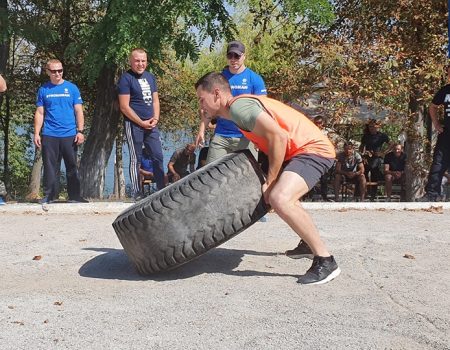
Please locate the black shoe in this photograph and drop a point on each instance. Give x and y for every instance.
(78, 200)
(301, 251)
(322, 270)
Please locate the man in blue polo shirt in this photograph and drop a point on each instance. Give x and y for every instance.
(139, 103)
(227, 136)
(58, 130)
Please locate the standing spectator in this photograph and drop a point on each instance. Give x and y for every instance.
(350, 168)
(441, 155)
(180, 161)
(227, 137)
(139, 103)
(58, 129)
(286, 136)
(3, 86)
(372, 144)
(394, 168)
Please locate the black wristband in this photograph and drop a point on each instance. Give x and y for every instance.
(80, 131)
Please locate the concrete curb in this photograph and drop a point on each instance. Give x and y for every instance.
(117, 207)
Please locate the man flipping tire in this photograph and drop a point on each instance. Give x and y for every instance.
(299, 154)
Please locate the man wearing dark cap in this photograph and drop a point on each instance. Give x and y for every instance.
(227, 136)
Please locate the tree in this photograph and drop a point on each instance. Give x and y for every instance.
(391, 53)
(131, 24)
(36, 32)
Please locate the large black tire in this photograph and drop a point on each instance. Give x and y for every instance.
(193, 215)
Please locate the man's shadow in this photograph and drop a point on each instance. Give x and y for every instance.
(114, 264)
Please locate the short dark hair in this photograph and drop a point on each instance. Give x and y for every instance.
(211, 80)
(348, 144)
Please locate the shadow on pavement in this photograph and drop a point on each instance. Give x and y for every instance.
(114, 264)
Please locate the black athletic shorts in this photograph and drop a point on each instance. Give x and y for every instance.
(310, 167)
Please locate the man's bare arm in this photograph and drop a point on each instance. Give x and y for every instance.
(127, 111)
(3, 86)
(38, 122)
(277, 139)
(79, 137)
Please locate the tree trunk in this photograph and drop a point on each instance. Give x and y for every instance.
(35, 182)
(119, 179)
(415, 147)
(101, 136)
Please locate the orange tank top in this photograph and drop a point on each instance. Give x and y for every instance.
(304, 136)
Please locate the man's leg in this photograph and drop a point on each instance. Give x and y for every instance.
(284, 199)
(338, 178)
(152, 143)
(218, 147)
(438, 167)
(50, 156)
(388, 185)
(134, 135)
(69, 154)
(362, 185)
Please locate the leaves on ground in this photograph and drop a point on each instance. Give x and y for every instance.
(435, 210)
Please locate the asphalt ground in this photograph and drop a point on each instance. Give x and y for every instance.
(66, 283)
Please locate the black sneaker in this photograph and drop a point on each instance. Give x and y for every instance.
(78, 200)
(322, 270)
(301, 251)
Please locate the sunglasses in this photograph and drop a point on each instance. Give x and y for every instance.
(54, 71)
(232, 55)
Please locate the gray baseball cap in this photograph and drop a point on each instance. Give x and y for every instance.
(236, 47)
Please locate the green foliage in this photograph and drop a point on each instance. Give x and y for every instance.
(154, 26)
(20, 161)
(317, 12)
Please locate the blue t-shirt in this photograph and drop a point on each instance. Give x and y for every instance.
(140, 87)
(246, 82)
(146, 164)
(59, 112)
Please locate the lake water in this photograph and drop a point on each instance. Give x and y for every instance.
(170, 143)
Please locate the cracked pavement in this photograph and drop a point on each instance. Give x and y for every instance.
(83, 293)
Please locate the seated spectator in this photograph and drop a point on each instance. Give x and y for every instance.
(394, 168)
(320, 123)
(350, 169)
(179, 162)
(146, 169)
(372, 144)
